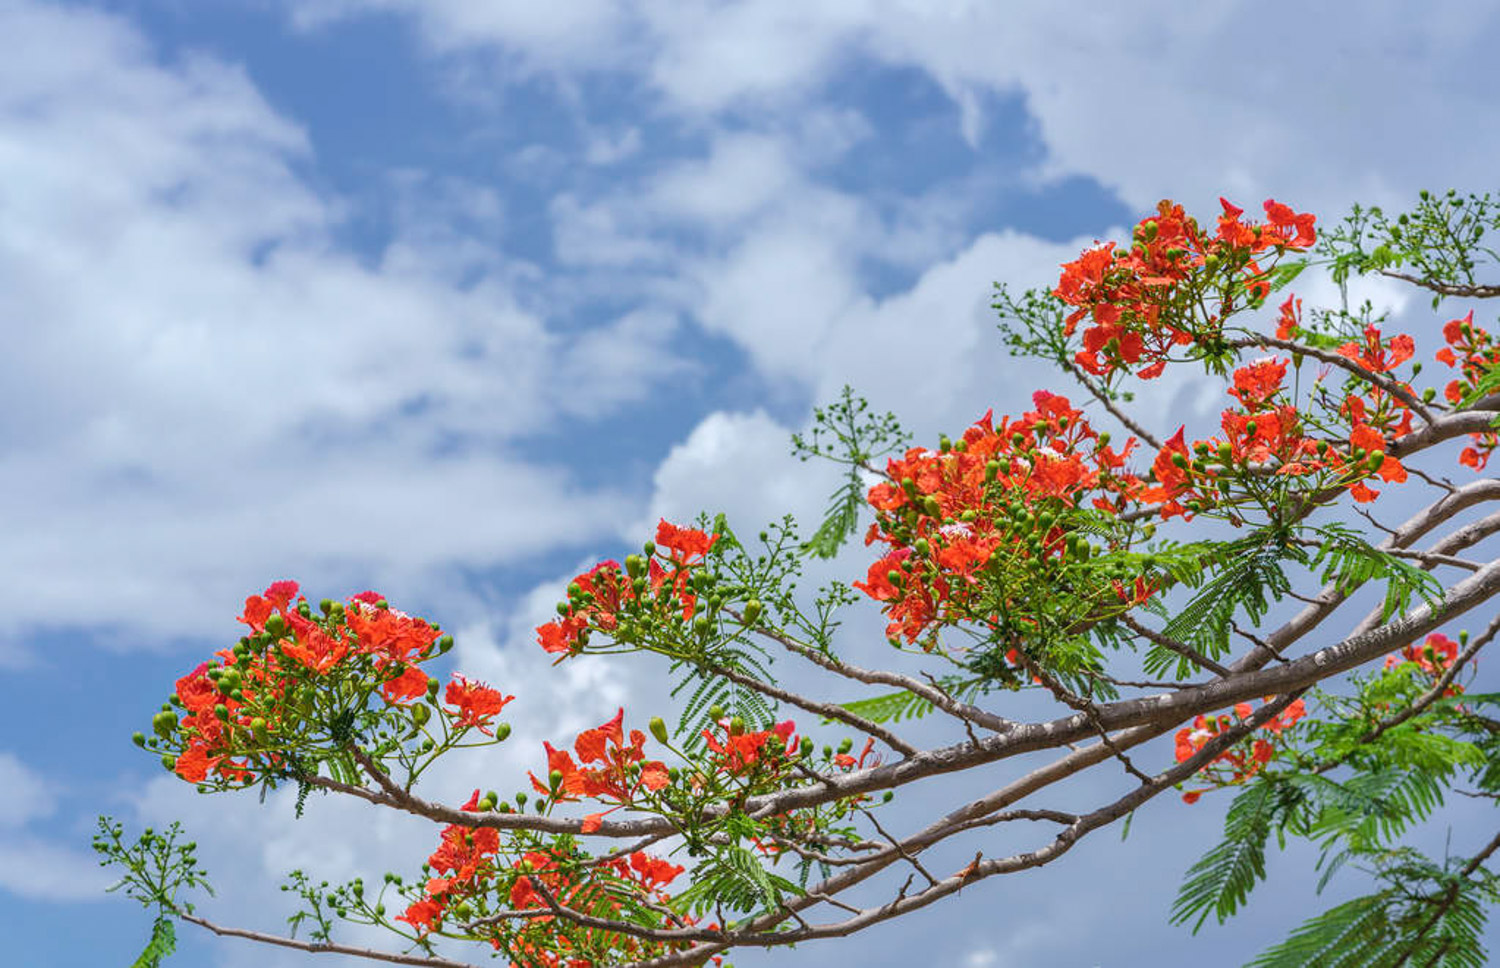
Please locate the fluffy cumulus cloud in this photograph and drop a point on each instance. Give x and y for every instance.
(198, 375)
(34, 862)
(1247, 98)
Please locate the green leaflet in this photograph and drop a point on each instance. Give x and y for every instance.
(1346, 936)
(1388, 930)
(896, 706)
(1351, 561)
(845, 432)
(163, 942)
(1222, 879)
(735, 880)
(1250, 576)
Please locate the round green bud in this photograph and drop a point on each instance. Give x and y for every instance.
(502, 732)
(221, 711)
(716, 713)
(736, 726)
(420, 714)
(169, 761)
(846, 745)
(554, 780)
(752, 611)
(649, 548)
(276, 625)
(138, 739)
(658, 727)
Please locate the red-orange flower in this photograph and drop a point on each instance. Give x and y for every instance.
(476, 704)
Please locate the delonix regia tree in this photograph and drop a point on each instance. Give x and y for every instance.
(1302, 647)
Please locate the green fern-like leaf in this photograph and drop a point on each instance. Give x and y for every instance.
(840, 520)
(1347, 936)
(1348, 559)
(1222, 879)
(163, 942)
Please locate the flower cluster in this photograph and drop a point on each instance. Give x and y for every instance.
(610, 769)
(1431, 659)
(243, 709)
(1141, 301)
(471, 870)
(976, 505)
(1266, 434)
(1475, 354)
(601, 596)
(1238, 763)
(737, 751)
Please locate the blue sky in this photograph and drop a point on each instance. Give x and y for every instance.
(452, 297)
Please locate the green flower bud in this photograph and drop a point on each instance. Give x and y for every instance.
(649, 548)
(736, 726)
(658, 729)
(752, 611)
(554, 780)
(222, 712)
(420, 714)
(138, 739)
(502, 732)
(164, 723)
(716, 713)
(276, 625)
(635, 566)
(169, 761)
(921, 547)
(846, 745)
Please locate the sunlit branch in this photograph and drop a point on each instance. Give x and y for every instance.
(827, 710)
(323, 947)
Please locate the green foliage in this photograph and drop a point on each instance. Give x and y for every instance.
(163, 942)
(1222, 879)
(1248, 574)
(1401, 926)
(734, 880)
(1350, 561)
(845, 432)
(895, 706)
(156, 870)
(1443, 241)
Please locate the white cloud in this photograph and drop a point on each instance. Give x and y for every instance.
(24, 794)
(1153, 100)
(201, 378)
(38, 870)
